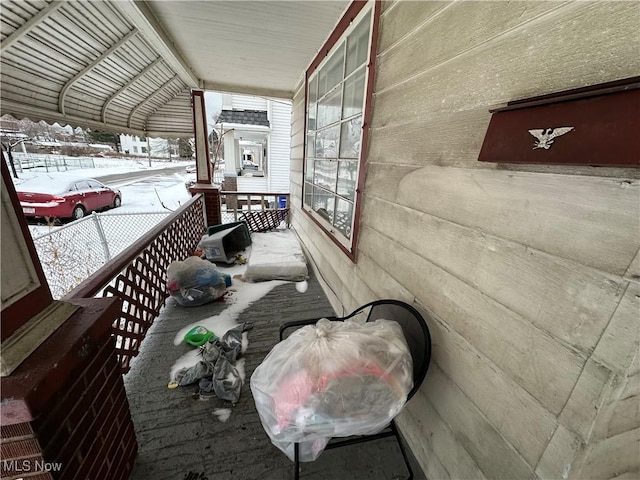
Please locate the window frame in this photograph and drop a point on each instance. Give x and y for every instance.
(347, 24)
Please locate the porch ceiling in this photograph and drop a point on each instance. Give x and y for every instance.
(128, 66)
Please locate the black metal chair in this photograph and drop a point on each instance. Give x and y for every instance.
(418, 339)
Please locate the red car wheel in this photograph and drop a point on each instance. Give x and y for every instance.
(78, 212)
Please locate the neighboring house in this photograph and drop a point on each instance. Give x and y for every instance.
(256, 137)
(133, 145)
(138, 146)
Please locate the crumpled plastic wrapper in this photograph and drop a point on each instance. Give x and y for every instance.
(334, 379)
(216, 371)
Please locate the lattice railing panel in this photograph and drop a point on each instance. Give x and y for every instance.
(140, 280)
(262, 211)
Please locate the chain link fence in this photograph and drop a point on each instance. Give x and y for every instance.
(75, 251)
(50, 163)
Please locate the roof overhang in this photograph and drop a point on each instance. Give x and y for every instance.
(254, 133)
(129, 66)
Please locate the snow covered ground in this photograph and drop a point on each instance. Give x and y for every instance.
(154, 194)
(103, 166)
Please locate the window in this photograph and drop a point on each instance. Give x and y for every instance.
(336, 107)
(143, 149)
(135, 149)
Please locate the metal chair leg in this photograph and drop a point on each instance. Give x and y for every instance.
(296, 458)
(402, 450)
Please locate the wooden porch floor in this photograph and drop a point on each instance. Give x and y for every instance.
(180, 438)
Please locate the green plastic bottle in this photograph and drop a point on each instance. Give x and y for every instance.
(198, 336)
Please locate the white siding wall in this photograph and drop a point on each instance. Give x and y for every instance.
(279, 150)
(128, 142)
(252, 184)
(246, 102)
(529, 276)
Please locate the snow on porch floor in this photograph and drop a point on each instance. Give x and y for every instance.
(181, 438)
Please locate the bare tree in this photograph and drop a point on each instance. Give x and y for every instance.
(7, 148)
(31, 129)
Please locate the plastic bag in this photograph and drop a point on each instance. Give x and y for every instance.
(195, 282)
(334, 379)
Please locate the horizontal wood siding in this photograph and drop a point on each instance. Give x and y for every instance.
(518, 63)
(564, 217)
(528, 279)
(252, 184)
(614, 457)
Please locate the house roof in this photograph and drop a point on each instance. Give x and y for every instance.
(244, 117)
(128, 66)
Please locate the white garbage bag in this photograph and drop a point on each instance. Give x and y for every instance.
(334, 379)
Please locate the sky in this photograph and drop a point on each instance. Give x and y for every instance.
(213, 104)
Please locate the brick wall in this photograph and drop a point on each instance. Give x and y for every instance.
(82, 428)
(212, 206)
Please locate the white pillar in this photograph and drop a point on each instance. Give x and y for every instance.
(229, 154)
(238, 154)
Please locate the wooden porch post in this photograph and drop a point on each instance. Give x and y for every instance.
(203, 165)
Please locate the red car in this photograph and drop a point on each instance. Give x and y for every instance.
(69, 198)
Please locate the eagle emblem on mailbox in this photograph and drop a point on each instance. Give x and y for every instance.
(545, 136)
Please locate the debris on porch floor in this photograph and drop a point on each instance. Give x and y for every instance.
(181, 435)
